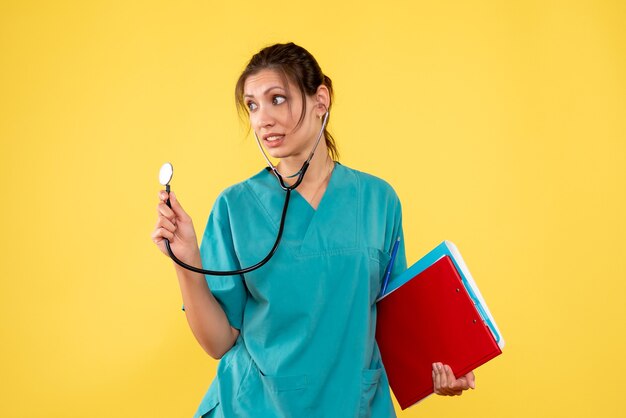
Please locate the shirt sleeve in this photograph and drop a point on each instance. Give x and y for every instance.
(218, 253)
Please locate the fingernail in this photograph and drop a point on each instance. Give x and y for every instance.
(173, 195)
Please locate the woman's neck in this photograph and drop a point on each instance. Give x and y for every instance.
(318, 169)
(317, 176)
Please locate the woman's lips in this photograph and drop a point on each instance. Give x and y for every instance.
(273, 141)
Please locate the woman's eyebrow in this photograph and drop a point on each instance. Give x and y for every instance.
(266, 91)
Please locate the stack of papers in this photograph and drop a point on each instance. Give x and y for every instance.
(433, 312)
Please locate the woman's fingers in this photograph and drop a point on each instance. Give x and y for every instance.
(174, 225)
(440, 379)
(445, 383)
(436, 379)
(177, 208)
(160, 233)
(166, 222)
(164, 210)
(454, 383)
(444, 379)
(450, 380)
(163, 222)
(173, 212)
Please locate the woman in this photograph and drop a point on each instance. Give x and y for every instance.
(295, 337)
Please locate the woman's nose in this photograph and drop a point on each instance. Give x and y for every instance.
(263, 118)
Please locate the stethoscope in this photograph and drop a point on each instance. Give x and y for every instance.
(167, 171)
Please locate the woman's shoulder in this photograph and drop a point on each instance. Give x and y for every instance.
(260, 179)
(372, 185)
(243, 193)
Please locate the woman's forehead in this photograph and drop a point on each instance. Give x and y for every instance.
(259, 83)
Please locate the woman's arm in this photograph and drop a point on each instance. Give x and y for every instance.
(205, 315)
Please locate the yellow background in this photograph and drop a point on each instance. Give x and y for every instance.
(501, 126)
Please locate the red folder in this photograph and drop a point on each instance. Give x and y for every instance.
(429, 319)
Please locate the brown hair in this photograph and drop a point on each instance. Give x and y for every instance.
(293, 63)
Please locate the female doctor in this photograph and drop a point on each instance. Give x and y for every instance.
(296, 336)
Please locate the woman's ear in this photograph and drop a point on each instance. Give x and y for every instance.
(322, 97)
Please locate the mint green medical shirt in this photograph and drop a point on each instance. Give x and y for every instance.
(308, 317)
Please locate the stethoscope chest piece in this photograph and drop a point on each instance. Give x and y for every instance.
(165, 174)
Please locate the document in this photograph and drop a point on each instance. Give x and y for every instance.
(433, 313)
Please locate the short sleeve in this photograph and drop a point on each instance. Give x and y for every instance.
(218, 253)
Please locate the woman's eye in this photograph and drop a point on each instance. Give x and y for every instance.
(279, 99)
(251, 106)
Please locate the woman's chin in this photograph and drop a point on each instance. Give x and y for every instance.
(283, 151)
(277, 153)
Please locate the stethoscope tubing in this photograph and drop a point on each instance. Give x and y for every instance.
(239, 271)
(283, 217)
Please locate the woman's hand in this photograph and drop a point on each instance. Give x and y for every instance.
(176, 226)
(446, 384)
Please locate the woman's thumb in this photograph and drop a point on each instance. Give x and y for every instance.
(471, 380)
